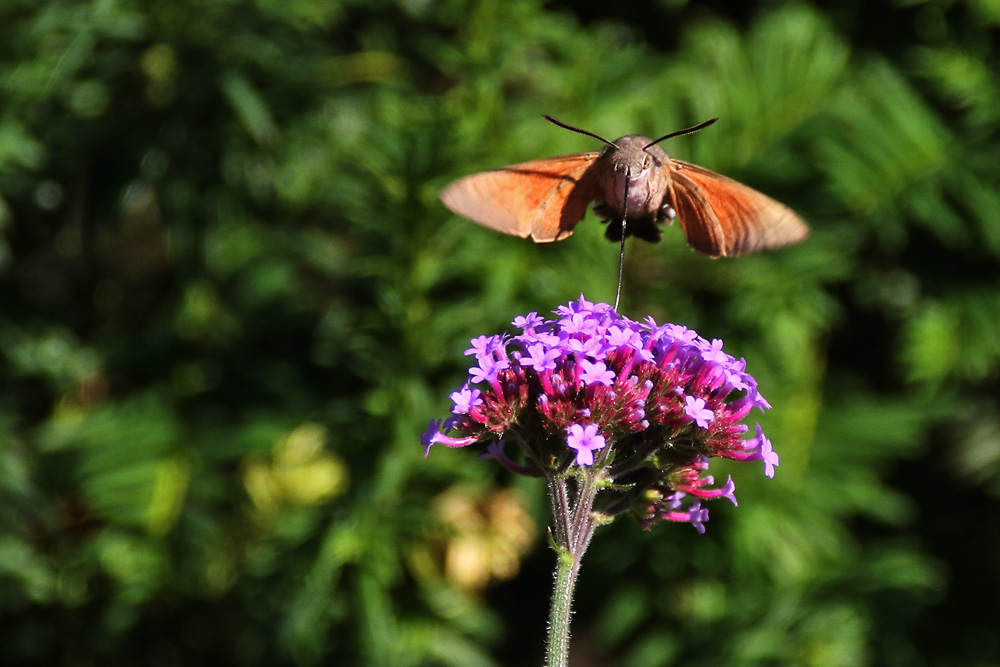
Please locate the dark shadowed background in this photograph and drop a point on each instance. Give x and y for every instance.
(230, 302)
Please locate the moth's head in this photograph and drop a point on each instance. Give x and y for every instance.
(634, 154)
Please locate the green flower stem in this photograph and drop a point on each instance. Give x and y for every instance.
(574, 526)
(557, 651)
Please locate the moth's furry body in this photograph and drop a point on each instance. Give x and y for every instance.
(649, 186)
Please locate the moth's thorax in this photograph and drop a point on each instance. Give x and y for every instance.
(645, 171)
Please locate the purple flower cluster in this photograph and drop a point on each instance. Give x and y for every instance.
(646, 404)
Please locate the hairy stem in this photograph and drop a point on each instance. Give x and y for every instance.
(573, 528)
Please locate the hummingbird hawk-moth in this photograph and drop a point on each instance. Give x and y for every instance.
(633, 180)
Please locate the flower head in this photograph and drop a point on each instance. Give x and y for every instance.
(657, 401)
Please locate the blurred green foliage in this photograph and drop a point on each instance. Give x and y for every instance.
(231, 302)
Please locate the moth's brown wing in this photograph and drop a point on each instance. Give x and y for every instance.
(721, 217)
(543, 199)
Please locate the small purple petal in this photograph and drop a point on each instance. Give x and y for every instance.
(769, 456)
(529, 321)
(487, 370)
(579, 306)
(714, 353)
(584, 439)
(680, 333)
(728, 490)
(696, 410)
(596, 373)
(483, 345)
(542, 337)
(540, 359)
(698, 516)
(619, 337)
(578, 323)
(465, 399)
(494, 450)
(427, 439)
(590, 346)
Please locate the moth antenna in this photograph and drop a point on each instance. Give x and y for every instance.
(578, 130)
(678, 133)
